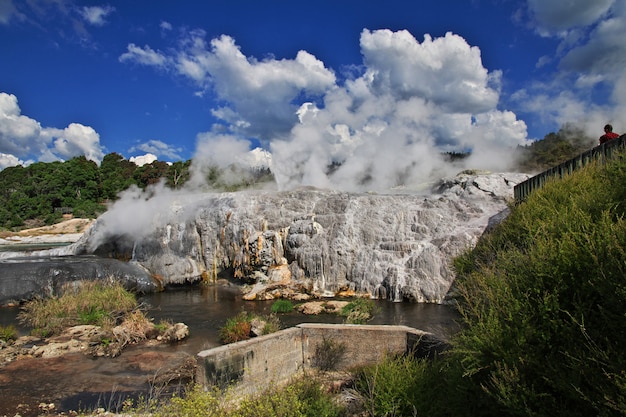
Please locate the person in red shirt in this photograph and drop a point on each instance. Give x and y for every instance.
(608, 134)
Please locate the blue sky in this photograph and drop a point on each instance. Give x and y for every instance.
(309, 82)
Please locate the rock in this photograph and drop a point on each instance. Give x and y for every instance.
(257, 326)
(176, 332)
(279, 273)
(313, 307)
(54, 349)
(318, 307)
(397, 246)
(27, 277)
(334, 306)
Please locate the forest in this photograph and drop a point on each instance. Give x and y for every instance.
(43, 192)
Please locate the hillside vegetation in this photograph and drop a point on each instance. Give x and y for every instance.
(42, 192)
(553, 149)
(543, 302)
(39, 194)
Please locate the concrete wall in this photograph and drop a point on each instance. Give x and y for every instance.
(254, 364)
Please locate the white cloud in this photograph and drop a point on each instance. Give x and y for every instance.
(445, 70)
(591, 57)
(259, 93)
(389, 126)
(24, 138)
(96, 15)
(19, 135)
(557, 15)
(143, 56)
(159, 148)
(7, 160)
(386, 126)
(76, 139)
(142, 160)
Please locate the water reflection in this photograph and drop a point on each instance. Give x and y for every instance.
(206, 309)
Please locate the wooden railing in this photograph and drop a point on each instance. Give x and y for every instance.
(600, 153)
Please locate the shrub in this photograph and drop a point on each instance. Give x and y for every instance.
(282, 306)
(327, 354)
(8, 333)
(195, 403)
(302, 398)
(236, 328)
(543, 300)
(241, 326)
(99, 303)
(359, 311)
(390, 388)
(272, 324)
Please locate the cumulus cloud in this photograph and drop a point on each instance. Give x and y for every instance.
(96, 15)
(7, 160)
(389, 126)
(386, 125)
(159, 148)
(22, 137)
(142, 160)
(591, 57)
(19, 135)
(446, 70)
(258, 94)
(76, 139)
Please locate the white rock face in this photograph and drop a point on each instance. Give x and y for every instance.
(394, 246)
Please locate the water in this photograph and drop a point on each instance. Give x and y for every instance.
(29, 247)
(206, 309)
(76, 381)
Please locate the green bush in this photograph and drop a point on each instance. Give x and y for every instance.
(543, 299)
(282, 306)
(195, 403)
(90, 302)
(359, 311)
(240, 327)
(8, 333)
(236, 328)
(302, 398)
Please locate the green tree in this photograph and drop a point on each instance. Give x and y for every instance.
(150, 173)
(178, 174)
(116, 175)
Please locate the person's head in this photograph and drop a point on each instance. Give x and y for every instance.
(608, 128)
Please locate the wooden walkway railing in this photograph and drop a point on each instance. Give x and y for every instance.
(600, 153)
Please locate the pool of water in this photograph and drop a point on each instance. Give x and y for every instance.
(76, 381)
(206, 309)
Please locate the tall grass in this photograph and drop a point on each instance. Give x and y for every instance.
(92, 302)
(544, 301)
(240, 327)
(359, 311)
(304, 397)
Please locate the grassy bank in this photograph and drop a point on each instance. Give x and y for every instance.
(544, 301)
